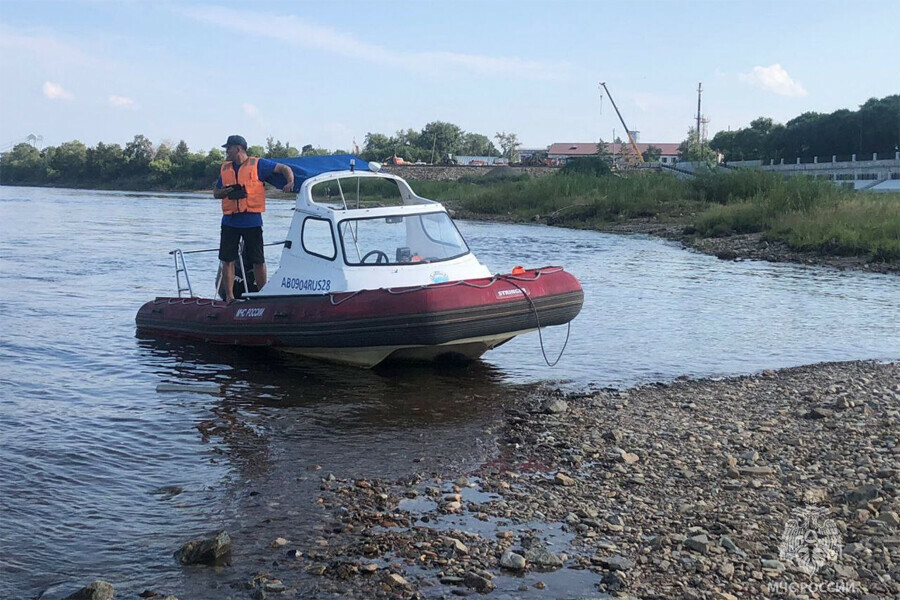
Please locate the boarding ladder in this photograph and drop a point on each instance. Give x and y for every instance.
(181, 268)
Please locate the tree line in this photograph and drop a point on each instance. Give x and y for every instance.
(139, 165)
(142, 165)
(874, 128)
(437, 142)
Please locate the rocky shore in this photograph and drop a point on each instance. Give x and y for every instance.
(782, 484)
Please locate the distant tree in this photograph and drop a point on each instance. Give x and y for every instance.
(161, 171)
(69, 161)
(308, 150)
(256, 150)
(138, 154)
(444, 138)
(376, 146)
(692, 150)
(275, 149)
(212, 164)
(723, 142)
(509, 144)
(22, 164)
(163, 150)
(181, 154)
(652, 154)
(603, 152)
(105, 162)
(476, 144)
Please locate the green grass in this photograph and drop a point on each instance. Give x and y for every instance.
(804, 213)
(866, 225)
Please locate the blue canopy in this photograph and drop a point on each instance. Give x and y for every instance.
(305, 167)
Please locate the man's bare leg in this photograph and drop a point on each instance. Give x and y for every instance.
(260, 274)
(228, 280)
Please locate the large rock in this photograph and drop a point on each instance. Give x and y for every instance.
(478, 582)
(512, 561)
(861, 495)
(617, 563)
(563, 479)
(698, 543)
(542, 557)
(98, 590)
(557, 407)
(205, 551)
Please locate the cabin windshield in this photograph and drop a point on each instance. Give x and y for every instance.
(401, 239)
(356, 192)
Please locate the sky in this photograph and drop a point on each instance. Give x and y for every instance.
(328, 73)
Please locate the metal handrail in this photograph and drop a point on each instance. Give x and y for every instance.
(178, 253)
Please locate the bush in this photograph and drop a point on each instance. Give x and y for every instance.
(588, 165)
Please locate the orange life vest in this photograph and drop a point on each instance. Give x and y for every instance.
(247, 176)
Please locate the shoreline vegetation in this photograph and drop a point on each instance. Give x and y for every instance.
(744, 214)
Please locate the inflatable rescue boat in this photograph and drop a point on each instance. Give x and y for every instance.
(390, 278)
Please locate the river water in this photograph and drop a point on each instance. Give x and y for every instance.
(104, 476)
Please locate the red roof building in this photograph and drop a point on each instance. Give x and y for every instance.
(563, 151)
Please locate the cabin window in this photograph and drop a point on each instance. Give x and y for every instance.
(318, 239)
(401, 239)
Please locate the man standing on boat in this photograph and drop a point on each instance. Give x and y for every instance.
(242, 190)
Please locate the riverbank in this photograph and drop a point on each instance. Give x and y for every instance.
(684, 489)
(691, 489)
(742, 214)
(746, 246)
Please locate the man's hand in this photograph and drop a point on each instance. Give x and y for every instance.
(289, 187)
(222, 192)
(237, 192)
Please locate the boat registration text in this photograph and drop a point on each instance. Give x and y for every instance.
(306, 285)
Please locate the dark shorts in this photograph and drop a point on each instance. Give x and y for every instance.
(253, 242)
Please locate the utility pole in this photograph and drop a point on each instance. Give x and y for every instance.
(699, 91)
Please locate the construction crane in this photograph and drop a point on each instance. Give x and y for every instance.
(628, 131)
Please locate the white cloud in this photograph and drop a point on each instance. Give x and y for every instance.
(121, 102)
(299, 32)
(773, 79)
(54, 91)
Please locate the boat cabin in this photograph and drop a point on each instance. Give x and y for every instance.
(356, 228)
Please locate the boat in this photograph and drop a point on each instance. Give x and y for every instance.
(389, 278)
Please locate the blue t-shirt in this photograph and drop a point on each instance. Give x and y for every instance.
(264, 169)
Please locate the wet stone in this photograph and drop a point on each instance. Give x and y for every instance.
(97, 590)
(478, 582)
(512, 561)
(206, 551)
(544, 558)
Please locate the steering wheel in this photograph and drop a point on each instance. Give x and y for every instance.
(380, 257)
